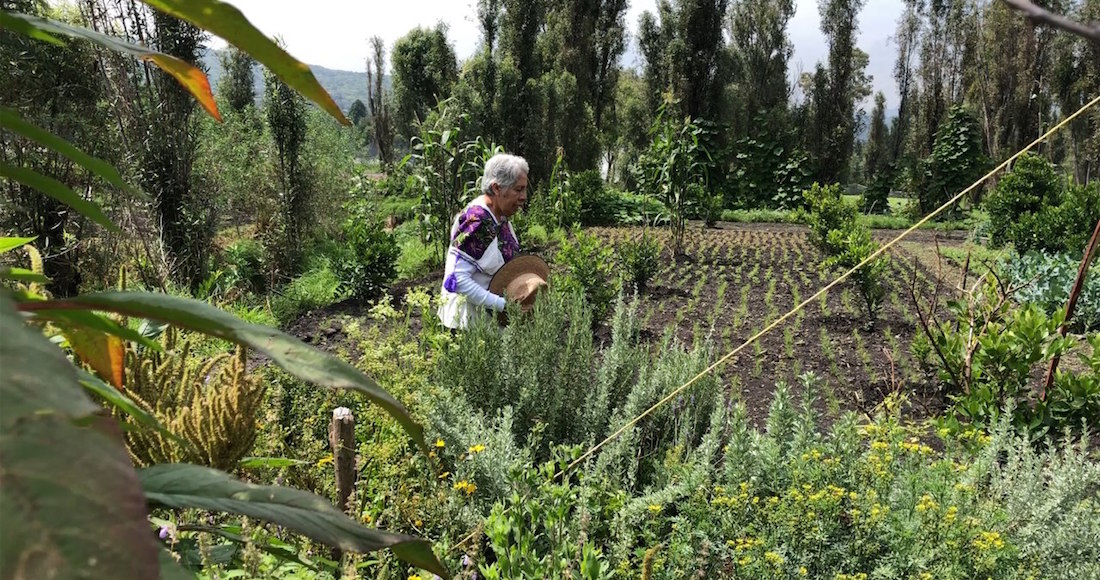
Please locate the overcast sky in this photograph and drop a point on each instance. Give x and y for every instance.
(333, 33)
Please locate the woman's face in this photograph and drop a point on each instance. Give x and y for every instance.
(509, 200)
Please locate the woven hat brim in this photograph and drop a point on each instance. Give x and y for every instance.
(525, 264)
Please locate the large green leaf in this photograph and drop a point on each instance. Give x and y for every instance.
(23, 275)
(228, 22)
(191, 486)
(9, 22)
(296, 357)
(10, 120)
(8, 244)
(71, 503)
(192, 79)
(58, 191)
(93, 321)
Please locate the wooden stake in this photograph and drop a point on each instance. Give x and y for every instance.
(341, 437)
(1090, 253)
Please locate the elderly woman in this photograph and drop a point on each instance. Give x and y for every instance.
(482, 240)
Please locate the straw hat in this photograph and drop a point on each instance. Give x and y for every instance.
(524, 276)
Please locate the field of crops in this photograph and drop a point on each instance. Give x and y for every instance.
(734, 282)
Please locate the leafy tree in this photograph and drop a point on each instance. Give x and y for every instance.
(49, 86)
(186, 219)
(760, 50)
(1076, 79)
(286, 120)
(424, 72)
(956, 162)
(237, 84)
(684, 52)
(877, 162)
(378, 103)
(1014, 62)
(836, 91)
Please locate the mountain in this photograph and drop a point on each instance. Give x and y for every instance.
(344, 86)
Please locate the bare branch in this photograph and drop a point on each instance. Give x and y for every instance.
(1043, 16)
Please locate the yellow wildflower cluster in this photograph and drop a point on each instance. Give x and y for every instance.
(744, 544)
(467, 486)
(440, 444)
(950, 515)
(773, 558)
(915, 447)
(654, 508)
(927, 503)
(475, 449)
(856, 576)
(742, 497)
(802, 571)
(989, 541)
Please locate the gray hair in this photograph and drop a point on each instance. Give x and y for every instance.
(504, 170)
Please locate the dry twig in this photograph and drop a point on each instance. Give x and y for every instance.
(1041, 15)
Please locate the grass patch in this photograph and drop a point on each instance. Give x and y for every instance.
(318, 287)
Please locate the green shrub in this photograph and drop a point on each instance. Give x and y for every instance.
(956, 162)
(876, 198)
(318, 287)
(836, 230)
(827, 211)
(597, 201)
(1016, 202)
(640, 258)
(990, 354)
(244, 266)
(536, 236)
(366, 263)
(589, 266)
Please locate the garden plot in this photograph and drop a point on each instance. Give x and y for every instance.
(733, 282)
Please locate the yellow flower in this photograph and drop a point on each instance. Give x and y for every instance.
(467, 486)
(802, 571)
(773, 558)
(444, 475)
(440, 443)
(475, 449)
(926, 503)
(879, 446)
(418, 523)
(324, 461)
(950, 514)
(653, 508)
(414, 577)
(989, 541)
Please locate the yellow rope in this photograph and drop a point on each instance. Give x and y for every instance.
(842, 277)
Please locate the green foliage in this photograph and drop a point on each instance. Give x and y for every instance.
(237, 85)
(1046, 280)
(640, 260)
(1019, 197)
(186, 219)
(243, 261)
(424, 70)
(988, 353)
(846, 242)
(827, 211)
(596, 201)
(539, 366)
(318, 286)
(675, 169)
(286, 120)
(590, 269)
(956, 162)
(767, 175)
(447, 169)
(532, 533)
(876, 198)
(368, 255)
